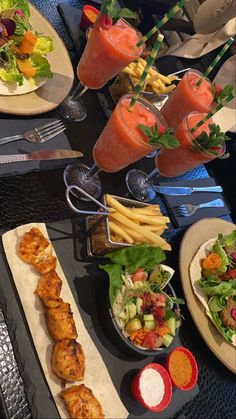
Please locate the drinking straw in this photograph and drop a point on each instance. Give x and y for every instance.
(172, 12)
(150, 61)
(215, 61)
(210, 114)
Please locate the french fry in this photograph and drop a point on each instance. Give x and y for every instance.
(170, 88)
(140, 217)
(162, 86)
(149, 235)
(116, 229)
(136, 236)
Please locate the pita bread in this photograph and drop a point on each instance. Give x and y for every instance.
(195, 273)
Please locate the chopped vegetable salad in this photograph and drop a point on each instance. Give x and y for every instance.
(22, 50)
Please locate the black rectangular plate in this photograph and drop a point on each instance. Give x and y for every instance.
(87, 283)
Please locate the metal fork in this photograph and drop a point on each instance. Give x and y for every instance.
(186, 210)
(38, 135)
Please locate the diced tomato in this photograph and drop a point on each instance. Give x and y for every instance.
(231, 274)
(150, 340)
(139, 275)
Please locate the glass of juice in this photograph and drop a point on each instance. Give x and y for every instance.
(188, 97)
(120, 144)
(106, 53)
(174, 162)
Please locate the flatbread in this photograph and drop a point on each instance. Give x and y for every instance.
(195, 273)
(97, 377)
(12, 89)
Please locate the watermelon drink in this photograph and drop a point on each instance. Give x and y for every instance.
(122, 142)
(172, 162)
(188, 97)
(175, 162)
(107, 52)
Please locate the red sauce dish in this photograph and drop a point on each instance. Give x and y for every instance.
(89, 16)
(182, 368)
(152, 387)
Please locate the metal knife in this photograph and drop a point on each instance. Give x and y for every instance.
(176, 190)
(40, 155)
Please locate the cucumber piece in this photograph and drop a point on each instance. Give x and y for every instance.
(215, 304)
(148, 317)
(139, 304)
(133, 325)
(132, 311)
(171, 324)
(177, 324)
(124, 315)
(167, 339)
(149, 324)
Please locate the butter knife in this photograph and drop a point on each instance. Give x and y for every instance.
(40, 155)
(176, 190)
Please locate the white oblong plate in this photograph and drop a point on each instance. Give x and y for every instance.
(12, 89)
(195, 236)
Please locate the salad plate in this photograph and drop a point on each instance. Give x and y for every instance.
(44, 93)
(142, 304)
(200, 236)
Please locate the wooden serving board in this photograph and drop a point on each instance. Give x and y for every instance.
(52, 93)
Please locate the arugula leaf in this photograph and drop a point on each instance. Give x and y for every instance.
(166, 140)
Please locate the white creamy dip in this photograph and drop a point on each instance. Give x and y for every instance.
(152, 387)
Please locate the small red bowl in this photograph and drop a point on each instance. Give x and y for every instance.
(194, 377)
(86, 21)
(136, 391)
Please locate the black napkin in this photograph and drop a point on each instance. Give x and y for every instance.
(71, 17)
(16, 126)
(195, 199)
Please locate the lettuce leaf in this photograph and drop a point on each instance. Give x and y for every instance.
(43, 45)
(22, 5)
(16, 4)
(213, 287)
(228, 241)
(42, 66)
(116, 282)
(226, 331)
(141, 256)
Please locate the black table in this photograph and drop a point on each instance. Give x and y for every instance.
(41, 197)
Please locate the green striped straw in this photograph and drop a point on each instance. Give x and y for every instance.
(210, 114)
(215, 61)
(161, 22)
(150, 61)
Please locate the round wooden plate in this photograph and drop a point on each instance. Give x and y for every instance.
(52, 93)
(197, 234)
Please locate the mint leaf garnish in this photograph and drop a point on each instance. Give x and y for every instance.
(109, 7)
(226, 92)
(208, 142)
(165, 139)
